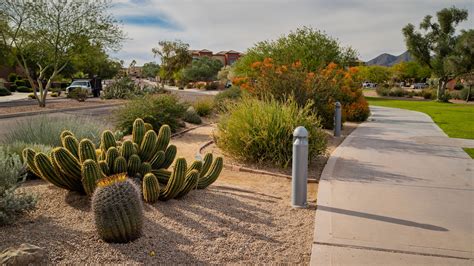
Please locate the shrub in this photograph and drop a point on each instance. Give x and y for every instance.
(4, 92)
(458, 86)
(203, 107)
(23, 89)
(122, 88)
(54, 94)
(211, 86)
(324, 87)
(17, 147)
(154, 109)
(262, 130)
(32, 96)
(12, 87)
(21, 83)
(382, 91)
(12, 202)
(200, 85)
(192, 117)
(465, 92)
(428, 94)
(12, 77)
(78, 94)
(222, 98)
(397, 92)
(357, 111)
(46, 130)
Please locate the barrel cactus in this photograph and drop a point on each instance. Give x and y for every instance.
(118, 210)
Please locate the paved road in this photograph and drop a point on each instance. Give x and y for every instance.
(102, 114)
(388, 198)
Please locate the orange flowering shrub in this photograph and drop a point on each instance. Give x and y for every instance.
(323, 87)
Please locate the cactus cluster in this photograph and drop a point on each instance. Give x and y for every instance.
(78, 165)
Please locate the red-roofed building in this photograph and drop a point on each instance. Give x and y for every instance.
(226, 57)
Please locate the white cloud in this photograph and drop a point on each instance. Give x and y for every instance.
(371, 27)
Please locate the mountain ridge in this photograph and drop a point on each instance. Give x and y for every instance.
(387, 59)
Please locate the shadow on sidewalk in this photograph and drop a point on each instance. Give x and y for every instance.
(382, 218)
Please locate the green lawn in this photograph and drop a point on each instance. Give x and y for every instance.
(456, 120)
(469, 151)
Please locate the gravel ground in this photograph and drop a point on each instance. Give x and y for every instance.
(242, 218)
(67, 103)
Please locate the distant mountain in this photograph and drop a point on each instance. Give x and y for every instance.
(389, 60)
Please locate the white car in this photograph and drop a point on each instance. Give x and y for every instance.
(369, 85)
(80, 84)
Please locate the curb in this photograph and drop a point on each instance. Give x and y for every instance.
(237, 168)
(58, 110)
(187, 130)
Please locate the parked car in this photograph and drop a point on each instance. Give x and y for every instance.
(369, 85)
(419, 85)
(228, 84)
(83, 84)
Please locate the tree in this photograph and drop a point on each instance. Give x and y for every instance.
(202, 69)
(151, 69)
(174, 56)
(43, 36)
(225, 74)
(436, 43)
(460, 63)
(313, 48)
(377, 74)
(410, 71)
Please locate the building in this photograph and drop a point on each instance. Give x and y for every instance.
(226, 57)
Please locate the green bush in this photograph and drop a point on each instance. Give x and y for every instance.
(12, 87)
(122, 88)
(12, 202)
(465, 92)
(382, 91)
(23, 89)
(203, 107)
(397, 92)
(17, 147)
(32, 96)
(222, 98)
(12, 77)
(428, 94)
(262, 131)
(46, 129)
(192, 117)
(4, 92)
(78, 94)
(211, 86)
(21, 83)
(154, 109)
(54, 94)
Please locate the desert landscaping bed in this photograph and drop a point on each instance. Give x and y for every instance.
(242, 218)
(57, 105)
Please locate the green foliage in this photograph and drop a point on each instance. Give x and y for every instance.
(23, 89)
(467, 94)
(454, 119)
(78, 94)
(410, 71)
(4, 92)
(150, 70)
(203, 107)
(312, 47)
(12, 77)
(12, 203)
(377, 74)
(234, 93)
(45, 130)
(262, 131)
(192, 117)
(174, 56)
(225, 74)
(469, 151)
(202, 69)
(17, 147)
(118, 210)
(157, 110)
(121, 88)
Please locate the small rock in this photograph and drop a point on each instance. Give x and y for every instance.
(25, 254)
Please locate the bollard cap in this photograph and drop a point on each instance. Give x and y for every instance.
(338, 104)
(300, 132)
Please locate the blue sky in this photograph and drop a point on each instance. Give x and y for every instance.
(371, 27)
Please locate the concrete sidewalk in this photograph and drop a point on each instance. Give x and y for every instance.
(387, 197)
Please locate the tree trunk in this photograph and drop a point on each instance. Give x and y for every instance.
(441, 90)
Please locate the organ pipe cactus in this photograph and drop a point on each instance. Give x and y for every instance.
(71, 144)
(190, 183)
(148, 146)
(107, 140)
(138, 131)
(209, 177)
(91, 173)
(118, 210)
(176, 181)
(151, 188)
(87, 150)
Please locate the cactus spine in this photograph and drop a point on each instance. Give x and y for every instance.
(107, 140)
(91, 173)
(138, 131)
(120, 165)
(176, 181)
(148, 146)
(170, 154)
(71, 144)
(190, 183)
(164, 136)
(118, 210)
(127, 149)
(212, 175)
(151, 188)
(87, 150)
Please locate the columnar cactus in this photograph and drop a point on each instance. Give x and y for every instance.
(91, 173)
(71, 144)
(47, 171)
(87, 150)
(68, 165)
(120, 165)
(138, 131)
(211, 176)
(151, 188)
(148, 126)
(107, 140)
(145, 168)
(164, 136)
(157, 160)
(170, 154)
(176, 181)
(104, 167)
(118, 210)
(111, 156)
(148, 146)
(190, 183)
(127, 149)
